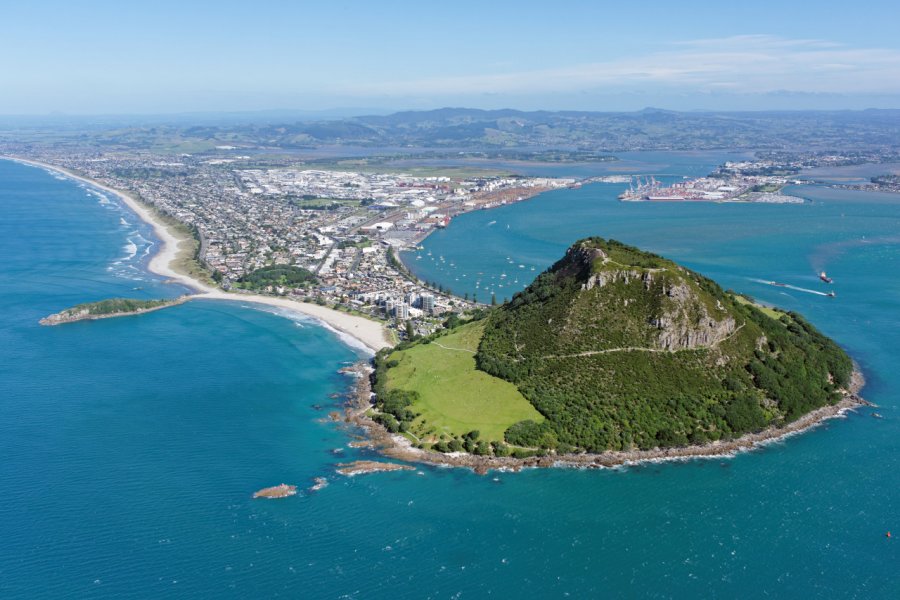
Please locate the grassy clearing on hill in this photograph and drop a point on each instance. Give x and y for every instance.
(772, 312)
(454, 397)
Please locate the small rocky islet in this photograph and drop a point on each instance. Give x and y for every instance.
(111, 307)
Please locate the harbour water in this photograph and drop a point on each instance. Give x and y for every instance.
(132, 446)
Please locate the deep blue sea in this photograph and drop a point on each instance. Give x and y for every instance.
(131, 447)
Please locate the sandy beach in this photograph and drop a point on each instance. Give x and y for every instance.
(368, 333)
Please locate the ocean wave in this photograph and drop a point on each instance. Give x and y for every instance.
(130, 249)
(302, 319)
(101, 198)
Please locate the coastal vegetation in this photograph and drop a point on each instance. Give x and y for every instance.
(288, 276)
(614, 349)
(187, 258)
(111, 307)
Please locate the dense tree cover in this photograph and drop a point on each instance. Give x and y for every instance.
(393, 405)
(276, 275)
(625, 392)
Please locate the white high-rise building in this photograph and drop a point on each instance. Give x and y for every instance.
(401, 311)
(428, 303)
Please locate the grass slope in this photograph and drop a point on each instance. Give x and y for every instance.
(454, 397)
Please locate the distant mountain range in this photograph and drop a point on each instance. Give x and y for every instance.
(646, 129)
(470, 129)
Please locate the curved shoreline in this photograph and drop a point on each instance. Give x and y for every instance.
(398, 447)
(370, 334)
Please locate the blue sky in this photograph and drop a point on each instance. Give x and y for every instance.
(164, 57)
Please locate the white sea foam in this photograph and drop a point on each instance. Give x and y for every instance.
(101, 198)
(302, 319)
(131, 250)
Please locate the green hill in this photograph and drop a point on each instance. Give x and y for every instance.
(620, 349)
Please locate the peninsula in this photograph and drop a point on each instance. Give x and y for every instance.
(611, 355)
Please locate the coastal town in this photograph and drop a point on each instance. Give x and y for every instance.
(274, 225)
(343, 230)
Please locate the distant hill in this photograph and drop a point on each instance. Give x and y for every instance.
(507, 130)
(620, 349)
(646, 129)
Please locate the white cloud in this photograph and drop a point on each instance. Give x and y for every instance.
(755, 64)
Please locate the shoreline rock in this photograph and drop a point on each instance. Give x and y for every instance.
(320, 483)
(276, 491)
(364, 467)
(400, 448)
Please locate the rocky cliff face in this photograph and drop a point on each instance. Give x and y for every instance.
(683, 322)
(687, 323)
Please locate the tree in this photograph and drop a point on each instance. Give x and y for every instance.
(493, 299)
(500, 449)
(410, 331)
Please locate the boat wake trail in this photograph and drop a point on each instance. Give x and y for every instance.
(790, 287)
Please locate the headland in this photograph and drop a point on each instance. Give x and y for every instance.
(612, 355)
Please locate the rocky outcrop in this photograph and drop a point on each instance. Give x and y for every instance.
(687, 324)
(604, 278)
(276, 491)
(677, 334)
(363, 467)
(107, 309)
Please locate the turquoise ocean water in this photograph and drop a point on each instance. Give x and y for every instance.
(130, 447)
